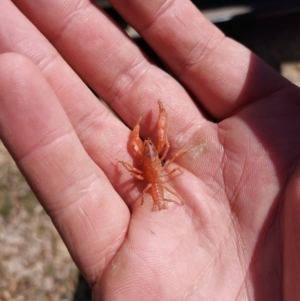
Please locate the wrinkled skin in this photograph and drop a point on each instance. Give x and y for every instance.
(238, 235)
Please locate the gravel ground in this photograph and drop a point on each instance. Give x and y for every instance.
(34, 262)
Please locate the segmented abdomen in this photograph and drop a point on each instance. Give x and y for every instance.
(158, 196)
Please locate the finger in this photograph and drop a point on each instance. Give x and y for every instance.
(291, 239)
(221, 73)
(18, 35)
(109, 61)
(84, 111)
(102, 135)
(88, 213)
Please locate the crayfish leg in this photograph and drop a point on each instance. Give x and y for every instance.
(174, 193)
(136, 173)
(144, 191)
(167, 174)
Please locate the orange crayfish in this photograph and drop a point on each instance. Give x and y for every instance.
(151, 159)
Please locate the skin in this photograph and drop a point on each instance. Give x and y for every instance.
(238, 235)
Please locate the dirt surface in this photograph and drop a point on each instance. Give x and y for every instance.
(34, 262)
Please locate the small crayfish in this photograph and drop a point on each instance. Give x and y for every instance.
(151, 159)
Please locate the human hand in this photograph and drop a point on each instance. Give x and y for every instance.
(237, 236)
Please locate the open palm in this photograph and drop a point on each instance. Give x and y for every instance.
(238, 235)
